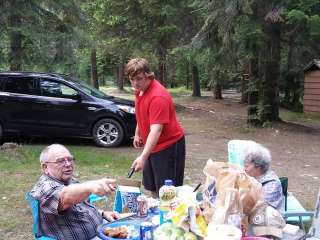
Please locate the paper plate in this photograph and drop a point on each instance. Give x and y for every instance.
(133, 223)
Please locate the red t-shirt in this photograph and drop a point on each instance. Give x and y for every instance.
(155, 106)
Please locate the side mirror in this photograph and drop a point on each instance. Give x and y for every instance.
(77, 97)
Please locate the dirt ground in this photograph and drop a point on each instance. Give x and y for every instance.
(209, 125)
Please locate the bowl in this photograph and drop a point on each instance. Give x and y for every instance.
(133, 233)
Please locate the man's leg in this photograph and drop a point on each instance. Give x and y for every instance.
(180, 156)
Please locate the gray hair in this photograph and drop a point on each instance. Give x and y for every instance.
(259, 156)
(46, 152)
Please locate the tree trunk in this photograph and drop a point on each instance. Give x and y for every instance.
(217, 92)
(195, 82)
(162, 72)
(120, 76)
(188, 74)
(244, 83)
(162, 67)
(244, 88)
(289, 76)
(15, 53)
(94, 72)
(253, 101)
(270, 85)
(217, 77)
(253, 117)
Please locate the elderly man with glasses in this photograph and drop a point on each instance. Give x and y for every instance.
(64, 210)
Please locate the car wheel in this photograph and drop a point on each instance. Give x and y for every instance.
(108, 133)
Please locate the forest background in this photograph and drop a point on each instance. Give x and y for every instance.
(257, 47)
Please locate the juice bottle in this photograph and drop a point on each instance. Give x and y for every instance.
(167, 193)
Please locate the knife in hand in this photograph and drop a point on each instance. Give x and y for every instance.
(130, 172)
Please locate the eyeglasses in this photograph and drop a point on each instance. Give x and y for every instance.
(63, 160)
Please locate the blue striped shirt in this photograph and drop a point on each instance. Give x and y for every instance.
(272, 190)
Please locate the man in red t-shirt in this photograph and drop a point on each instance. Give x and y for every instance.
(158, 132)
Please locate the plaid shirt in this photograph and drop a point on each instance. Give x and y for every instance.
(78, 222)
(272, 190)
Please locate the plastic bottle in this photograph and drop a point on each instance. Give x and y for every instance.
(167, 193)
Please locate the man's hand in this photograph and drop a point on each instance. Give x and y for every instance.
(110, 216)
(137, 141)
(138, 163)
(104, 186)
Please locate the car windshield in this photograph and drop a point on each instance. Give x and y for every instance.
(89, 89)
(92, 91)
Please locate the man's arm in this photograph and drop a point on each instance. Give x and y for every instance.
(137, 141)
(152, 140)
(76, 193)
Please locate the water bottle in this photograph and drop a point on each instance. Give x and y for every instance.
(167, 193)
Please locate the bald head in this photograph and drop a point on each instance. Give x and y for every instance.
(57, 161)
(49, 153)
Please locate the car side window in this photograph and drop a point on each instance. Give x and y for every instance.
(23, 85)
(55, 89)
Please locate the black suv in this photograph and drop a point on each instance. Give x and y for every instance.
(45, 104)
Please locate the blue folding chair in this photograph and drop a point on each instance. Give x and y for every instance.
(294, 213)
(34, 205)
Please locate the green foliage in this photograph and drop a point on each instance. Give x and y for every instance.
(45, 33)
(296, 17)
(314, 22)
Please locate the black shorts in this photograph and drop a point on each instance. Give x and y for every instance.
(165, 164)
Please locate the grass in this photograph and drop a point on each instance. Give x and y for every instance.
(20, 169)
(301, 117)
(175, 92)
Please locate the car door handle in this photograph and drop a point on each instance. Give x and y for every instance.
(92, 108)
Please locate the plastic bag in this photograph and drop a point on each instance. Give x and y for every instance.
(236, 193)
(188, 216)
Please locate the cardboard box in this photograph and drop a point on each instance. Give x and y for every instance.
(126, 196)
